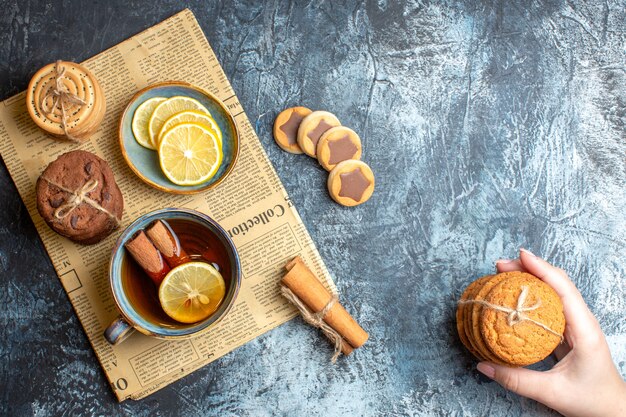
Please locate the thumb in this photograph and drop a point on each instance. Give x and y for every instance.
(527, 383)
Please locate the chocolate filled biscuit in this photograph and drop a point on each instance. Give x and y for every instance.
(312, 128)
(351, 182)
(78, 198)
(336, 145)
(286, 128)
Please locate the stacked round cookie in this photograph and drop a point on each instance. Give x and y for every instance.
(511, 318)
(77, 196)
(66, 100)
(320, 135)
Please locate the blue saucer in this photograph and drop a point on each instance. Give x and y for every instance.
(145, 162)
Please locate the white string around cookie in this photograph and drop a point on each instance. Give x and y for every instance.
(77, 197)
(61, 97)
(516, 315)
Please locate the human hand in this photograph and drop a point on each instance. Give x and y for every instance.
(584, 382)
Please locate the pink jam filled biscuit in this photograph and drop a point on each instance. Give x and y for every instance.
(286, 128)
(351, 183)
(312, 128)
(336, 145)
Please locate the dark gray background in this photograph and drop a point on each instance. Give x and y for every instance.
(490, 125)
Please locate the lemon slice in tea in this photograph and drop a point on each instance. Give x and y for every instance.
(192, 292)
(141, 118)
(189, 154)
(192, 116)
(167, 109)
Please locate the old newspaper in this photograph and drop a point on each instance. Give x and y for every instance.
(175, 49)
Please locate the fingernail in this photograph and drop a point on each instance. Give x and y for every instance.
(486, 369)
(526, 251)
(504, 261)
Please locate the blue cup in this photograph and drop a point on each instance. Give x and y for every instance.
(134, 316)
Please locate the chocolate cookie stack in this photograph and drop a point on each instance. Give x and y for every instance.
(511, 318)
(78, 198)
(65, 100)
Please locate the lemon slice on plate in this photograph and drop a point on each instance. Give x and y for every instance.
(141, 118)
(192, 292)
(189, 154)
(192, 116)
(167, 109)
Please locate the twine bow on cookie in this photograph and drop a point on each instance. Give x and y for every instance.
(60, 97)
(77, 197)
(317, 319)
(517, 315)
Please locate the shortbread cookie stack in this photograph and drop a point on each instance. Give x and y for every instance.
(511, 318)
(337, 148)
(65, 100)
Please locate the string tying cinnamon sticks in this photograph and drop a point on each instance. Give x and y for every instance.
(317, 320)
(77, 197)
(516, 315)
(62, 98)
(321, 309)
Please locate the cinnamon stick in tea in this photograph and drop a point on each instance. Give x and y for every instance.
(166, 241)
(301, 281)
(148, 257)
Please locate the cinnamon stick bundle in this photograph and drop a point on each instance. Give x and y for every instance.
(148, 257)
(310, 291)
(166, 241)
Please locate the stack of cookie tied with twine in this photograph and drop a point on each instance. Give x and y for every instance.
(320, 135)
(77, 196)
(512, 318)
(66, 101)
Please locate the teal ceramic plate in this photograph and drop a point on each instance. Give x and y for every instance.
(145, 162)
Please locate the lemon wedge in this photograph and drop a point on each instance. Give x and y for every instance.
(192, 292)
(141, 118)
(192, 116)
(189, 154)
(167, 109)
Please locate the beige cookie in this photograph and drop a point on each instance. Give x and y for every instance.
(286, 128)
(338, 144)
(312, 128)
(473, 317)
(78, 112)
(461, 312)
(523, 338)
(351, 183)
